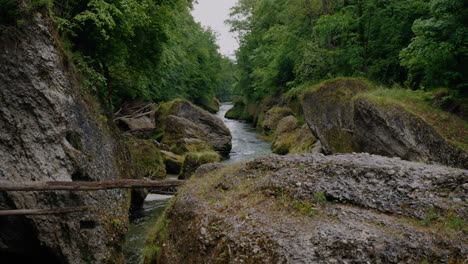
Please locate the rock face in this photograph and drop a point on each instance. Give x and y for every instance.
(47, 133)
(390, 130)
(345, 119)
(238, 112)
(273, 116)
(353, 208)
(328, 110)
(292, 138)
(183, 120)
(194, 160)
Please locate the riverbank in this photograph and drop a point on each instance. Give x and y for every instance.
(246, 145)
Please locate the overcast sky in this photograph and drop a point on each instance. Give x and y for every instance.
(212, 13)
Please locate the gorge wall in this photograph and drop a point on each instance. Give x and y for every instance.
(49, 133)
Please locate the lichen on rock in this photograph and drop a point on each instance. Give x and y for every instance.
(313, 208)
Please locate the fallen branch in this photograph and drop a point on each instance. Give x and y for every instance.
(43, 211)
(86, 186)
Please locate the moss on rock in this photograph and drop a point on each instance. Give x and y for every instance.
(238, 112)
(273, 116)
(211, 105)
(328, 110)
(292, 138)
(173, 162)
(147, 159)
(194, 160)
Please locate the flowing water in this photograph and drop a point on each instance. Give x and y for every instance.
(245, 146)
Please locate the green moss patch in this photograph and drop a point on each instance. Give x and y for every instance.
(238, 112)
(157, 236)
(194, 160)
(147, 159)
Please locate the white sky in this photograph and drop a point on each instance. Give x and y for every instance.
(213, 13)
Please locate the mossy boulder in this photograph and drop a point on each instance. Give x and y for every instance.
(147, 159)
(185, 145)
(194, 160)
(180, 119)
(328, 110)
(238, 112)
(211, 105)
(292, 138)
(173, 162)
(273, 116)
(386, 128)
(313, 208)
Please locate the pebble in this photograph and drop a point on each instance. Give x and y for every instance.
(298, 184)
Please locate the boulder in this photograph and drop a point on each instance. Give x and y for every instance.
(49, 133)
(273, 116)
(390, 130)
(147, 159)
(211, 105)
(194, 160)
(173, 162)
(292, 138)
(143, 123)
(181, 119)
(238, 112)
(328, 110)
(311, 208)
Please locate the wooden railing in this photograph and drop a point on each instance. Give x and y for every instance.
(7, 186)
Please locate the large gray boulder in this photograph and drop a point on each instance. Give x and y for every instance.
(346, 117)
(181, 119)
(390, 130)
(328, 110)
(48, 133)
(352, 208)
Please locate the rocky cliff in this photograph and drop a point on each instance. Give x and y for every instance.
(311, 208)
(48, 133)
(346, 117)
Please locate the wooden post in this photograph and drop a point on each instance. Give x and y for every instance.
(86, 186)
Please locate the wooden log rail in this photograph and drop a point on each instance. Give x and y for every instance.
(75, 186)
(85, 186)
(43, 211)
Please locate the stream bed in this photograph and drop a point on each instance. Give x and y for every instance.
(246, 145)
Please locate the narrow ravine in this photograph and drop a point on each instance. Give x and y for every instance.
(246, 145)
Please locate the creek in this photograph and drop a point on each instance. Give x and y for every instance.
(246, 145)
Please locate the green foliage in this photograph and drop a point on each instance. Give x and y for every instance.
(437, 56)
(287, 45)
(449, 221)
(149, 50)
(9, 11)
